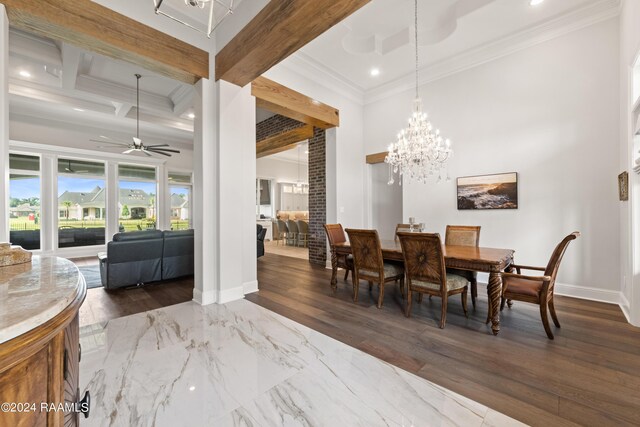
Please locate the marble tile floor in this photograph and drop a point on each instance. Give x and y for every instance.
(239, 364)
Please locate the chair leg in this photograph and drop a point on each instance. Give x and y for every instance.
(474, 292)
(370, 285)
(545, 319)
(402, 287)
(356, 289)
(464, 303)
(552, 309)
(381, 296)
(420, 298)
(443, 318)
(502, 301)
(346, 274)
(407, 311)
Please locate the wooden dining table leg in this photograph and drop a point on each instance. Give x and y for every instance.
(494, 290)
(334, 272)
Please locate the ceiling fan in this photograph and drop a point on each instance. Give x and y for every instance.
(71, 170)
(137, 145)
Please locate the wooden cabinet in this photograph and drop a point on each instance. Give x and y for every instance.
(40, 367)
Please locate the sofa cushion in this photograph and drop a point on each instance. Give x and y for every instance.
(137, 235)
(178, 233)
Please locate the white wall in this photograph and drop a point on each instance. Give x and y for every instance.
(629, 211)
(550, 113)
(386, 202)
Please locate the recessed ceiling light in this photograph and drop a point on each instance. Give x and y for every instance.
(25, 73)
(78, 109)
(374, 72)
(191, 116)
(535, 2)
(192, 388)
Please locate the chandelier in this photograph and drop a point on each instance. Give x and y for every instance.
(419, 151)
(214, 12)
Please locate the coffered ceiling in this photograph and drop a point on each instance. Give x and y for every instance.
(379, 36)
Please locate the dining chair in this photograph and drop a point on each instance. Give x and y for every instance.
(369, 265)
(335, 235)
(537, 289)
(464, 235)
(283, 230)
(426, 272)
(401, 227)
(292, 233)
(303, 233)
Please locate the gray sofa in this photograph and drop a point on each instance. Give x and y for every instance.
(146, 256)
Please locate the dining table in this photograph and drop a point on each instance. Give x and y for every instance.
(472, 258)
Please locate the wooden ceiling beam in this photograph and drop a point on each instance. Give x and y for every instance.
(376, 158)
(280, 99)
(283, 141)
(278, 30)
(98, 29)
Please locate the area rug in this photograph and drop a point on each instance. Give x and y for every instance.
(91, 276)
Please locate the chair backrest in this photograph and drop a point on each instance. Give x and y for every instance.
(303, 227)
(462, 235)
(292, 226)
(424, 258)
(556, 257)
(401, 227)
(282, 226)
(366, 251)
(335, 234)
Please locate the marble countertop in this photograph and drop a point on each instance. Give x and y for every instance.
(35, 292)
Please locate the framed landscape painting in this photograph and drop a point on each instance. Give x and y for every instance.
(499, 191)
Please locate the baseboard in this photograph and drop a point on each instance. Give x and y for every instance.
(232, 294)
(204, 298)
(250, 287)
(592, 294)
(625, 306)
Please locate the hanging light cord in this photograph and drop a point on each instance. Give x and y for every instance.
(416, 40)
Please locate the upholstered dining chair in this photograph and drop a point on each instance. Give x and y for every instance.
(282, 230)
(369, 265)
(464, 235)
(537, 289)
(335, 235)
(426, 271)
(303, 233)
(292, 232)
(401, 227)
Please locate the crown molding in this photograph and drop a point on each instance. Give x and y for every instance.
(560, 26)
(304, 65)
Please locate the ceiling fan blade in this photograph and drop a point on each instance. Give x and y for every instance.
(129, 151)
(159, 152)
(109, 142)
(164, 149)
(157, 145)
(115, 147)
(146, 153)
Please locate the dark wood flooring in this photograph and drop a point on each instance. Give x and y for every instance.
(102, 305)
(589, 375)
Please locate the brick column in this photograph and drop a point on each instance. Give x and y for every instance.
(317, 197)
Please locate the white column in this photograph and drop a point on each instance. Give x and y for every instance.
(164, 199)
(4, 125)
(48, 203)
(112, 199)
(205, 191)
(236, 202)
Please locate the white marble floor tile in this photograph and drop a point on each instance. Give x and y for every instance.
(239, 364)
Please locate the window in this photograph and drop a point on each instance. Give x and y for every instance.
(24, 200)
(136, 198)
(81, 203)
(180, 190)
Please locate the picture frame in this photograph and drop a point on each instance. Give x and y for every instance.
(623, 186)
(492, 191)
